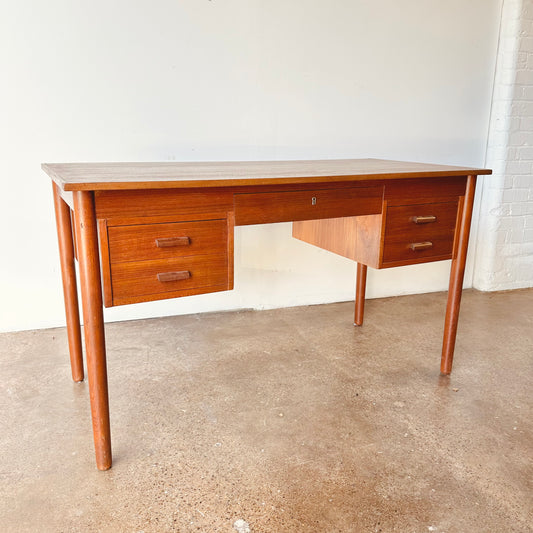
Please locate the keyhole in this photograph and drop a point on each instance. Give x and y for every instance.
(313, 200)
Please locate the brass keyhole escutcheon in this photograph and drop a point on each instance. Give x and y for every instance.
(313, 200)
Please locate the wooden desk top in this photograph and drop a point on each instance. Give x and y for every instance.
(113, 176)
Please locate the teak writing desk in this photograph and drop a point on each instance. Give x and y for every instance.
(148, 231)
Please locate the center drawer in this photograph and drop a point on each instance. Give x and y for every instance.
(312, 204)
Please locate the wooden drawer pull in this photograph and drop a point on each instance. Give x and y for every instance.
(173, 276)
(172, 241)
(419, 246)
(424, 219)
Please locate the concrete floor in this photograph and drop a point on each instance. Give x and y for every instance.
(289, 420)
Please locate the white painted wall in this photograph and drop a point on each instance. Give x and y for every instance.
(231, 79)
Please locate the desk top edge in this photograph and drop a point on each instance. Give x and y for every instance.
(117, 176)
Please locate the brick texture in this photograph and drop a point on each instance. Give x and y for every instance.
(504, 248)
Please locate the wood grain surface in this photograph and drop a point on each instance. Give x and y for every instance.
(110, 176)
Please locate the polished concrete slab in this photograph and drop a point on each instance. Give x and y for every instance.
(280, 421)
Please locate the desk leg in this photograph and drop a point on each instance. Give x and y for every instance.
(70, 291)
(456, 278)
(93, 324)
(360, 294)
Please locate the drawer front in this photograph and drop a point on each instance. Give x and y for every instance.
(115, 206)
(263, 208)
(424, 191)
(418, 233)
(155, 277)
(163, 241)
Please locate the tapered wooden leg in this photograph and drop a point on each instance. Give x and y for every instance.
(456, 278)
(93, 324)
(360, 290)
(70, 291)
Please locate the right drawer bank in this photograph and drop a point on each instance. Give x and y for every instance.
(417, 225)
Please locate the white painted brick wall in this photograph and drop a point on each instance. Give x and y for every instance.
(504, 247)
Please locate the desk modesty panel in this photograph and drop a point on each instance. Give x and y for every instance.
(150, 231)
